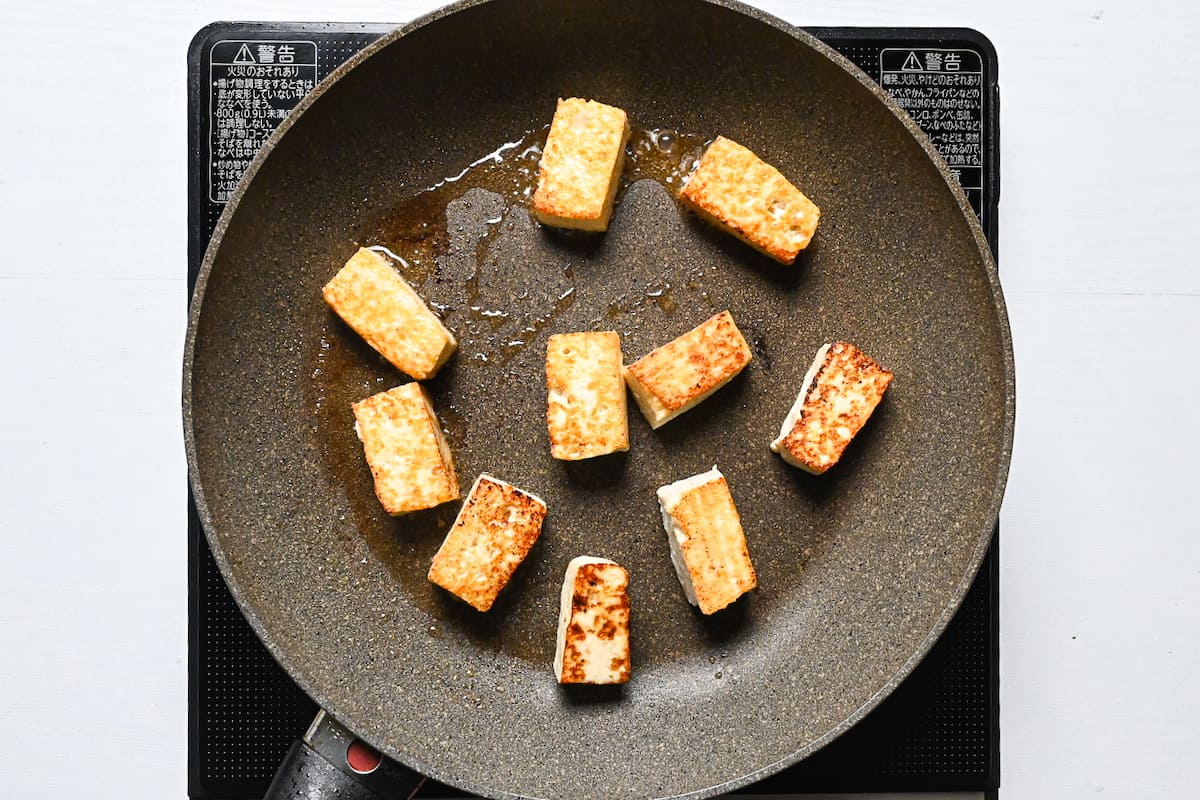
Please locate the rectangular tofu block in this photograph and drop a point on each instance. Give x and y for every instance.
(840, 391)
(737, 191)
(405, 449)
(593, 623)
(385, 311)
(581, 165)
(585, 409)
(681, 373)
(491, 536)
(708, 546)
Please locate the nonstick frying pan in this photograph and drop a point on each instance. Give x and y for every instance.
(859, 569)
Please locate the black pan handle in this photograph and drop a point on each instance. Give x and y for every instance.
(305, 774)
(330, 763)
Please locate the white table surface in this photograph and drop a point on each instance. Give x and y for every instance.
(1101, 547)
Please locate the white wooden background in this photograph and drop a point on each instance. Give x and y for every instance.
(1101, 546)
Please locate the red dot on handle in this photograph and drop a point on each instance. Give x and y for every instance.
(362, 758)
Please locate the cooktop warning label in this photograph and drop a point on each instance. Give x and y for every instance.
(942, 90)
(253, 85)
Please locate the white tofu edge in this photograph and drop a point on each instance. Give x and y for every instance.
(669, 497)
(797, 409)
(647, 403)
(443, 446)
(564, 606)
(654, 411)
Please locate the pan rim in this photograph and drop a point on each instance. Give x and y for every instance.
(982, 538)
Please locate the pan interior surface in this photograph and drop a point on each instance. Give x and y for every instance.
(858, 569)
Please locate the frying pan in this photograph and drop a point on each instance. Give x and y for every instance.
(859, 569)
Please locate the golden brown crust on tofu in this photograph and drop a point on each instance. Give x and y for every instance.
(594, 643)
(670, 380)
(713, 545)
(385, 311)
(405, 449)
(581, 165)
(839, 398)
(586, 408)
(494, 531)
(736, 190)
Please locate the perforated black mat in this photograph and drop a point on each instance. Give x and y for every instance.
(939, 731)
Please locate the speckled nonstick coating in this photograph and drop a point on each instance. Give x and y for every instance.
(859, 570)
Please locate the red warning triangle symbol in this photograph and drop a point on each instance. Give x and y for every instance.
(244, 56)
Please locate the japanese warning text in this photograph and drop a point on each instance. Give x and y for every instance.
(253, 85)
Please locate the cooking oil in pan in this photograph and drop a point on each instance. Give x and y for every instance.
(418, 235)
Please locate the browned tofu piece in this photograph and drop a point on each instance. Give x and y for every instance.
(585, 409)
(708, 546)
(670, 380)
(581, 165)
(494, 531)
(385, 311)
(737, 191)
(840, 391)
(405, 449)
(593, 623)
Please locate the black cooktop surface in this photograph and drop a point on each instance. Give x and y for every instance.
(939, 731)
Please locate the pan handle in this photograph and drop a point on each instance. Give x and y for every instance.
(330, 762)
(306, 774)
